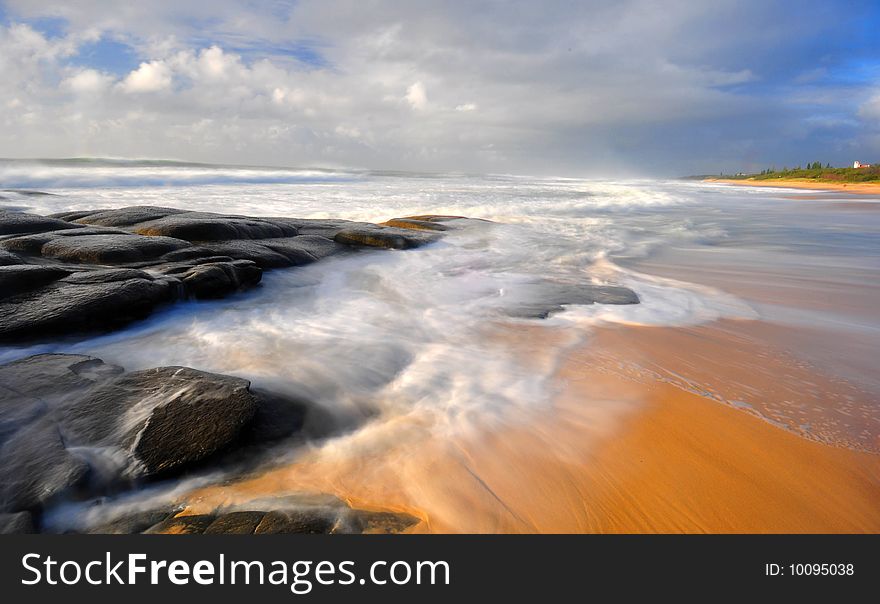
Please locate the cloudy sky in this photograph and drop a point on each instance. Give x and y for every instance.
(587, 87)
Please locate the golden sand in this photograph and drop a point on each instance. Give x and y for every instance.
(621, 450)
(862, 188)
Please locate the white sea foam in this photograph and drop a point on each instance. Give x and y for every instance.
(392, 332)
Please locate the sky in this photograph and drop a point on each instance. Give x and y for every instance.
(581, 88)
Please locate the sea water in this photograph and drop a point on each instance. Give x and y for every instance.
(379, 335)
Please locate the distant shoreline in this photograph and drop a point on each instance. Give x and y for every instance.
(845, 187)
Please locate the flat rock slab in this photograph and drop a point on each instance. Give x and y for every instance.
(542, 299)
(325, 515)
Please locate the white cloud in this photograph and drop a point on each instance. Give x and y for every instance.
(149, 77)
(416, 96)
(525, 87)
(870, 110)
(88, 81)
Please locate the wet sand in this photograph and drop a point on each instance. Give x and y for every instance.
(623, 449)
(864, 188)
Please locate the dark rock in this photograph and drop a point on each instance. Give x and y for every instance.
(54, 377)
(277, 416)
(309, 522)
(322, 227)
(120, 217)
(36, 467)
(182, 525)
(71, 216)
(31, 387)
(16, 411)
(219, 279)
(7, 258)
(276, 253)
(64, 307)
(366, 522)
(194, 226)
(33, 244)
(307, 513)
(235, 523)
(20, 278)
(166, 418)
(107, 275)
(18, 222)
(178, 268)
(19, 523)
(76, 288)
(540, 300)
(255, 251)
(110, 248)
(315, 246)
(74, 425)
(134, 523)
(188, 254)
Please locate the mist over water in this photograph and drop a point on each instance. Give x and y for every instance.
(376, 337)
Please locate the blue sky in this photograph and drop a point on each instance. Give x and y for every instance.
(596, 87)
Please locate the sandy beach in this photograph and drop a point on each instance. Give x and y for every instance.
(674, 461)
(861, 188)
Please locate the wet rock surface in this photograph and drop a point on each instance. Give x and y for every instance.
(74, 272)
(19, 523)
(542, 299)
(72, 426)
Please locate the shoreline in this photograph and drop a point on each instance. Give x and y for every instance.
(615, 453)
(857, 188)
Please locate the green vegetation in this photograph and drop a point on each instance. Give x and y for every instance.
(815, 171)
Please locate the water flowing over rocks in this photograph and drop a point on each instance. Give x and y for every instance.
(86, 271)
(73, 424)
(76, 429)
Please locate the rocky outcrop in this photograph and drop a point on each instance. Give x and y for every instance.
(97, 270)
(72, 424)
(544, 298)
